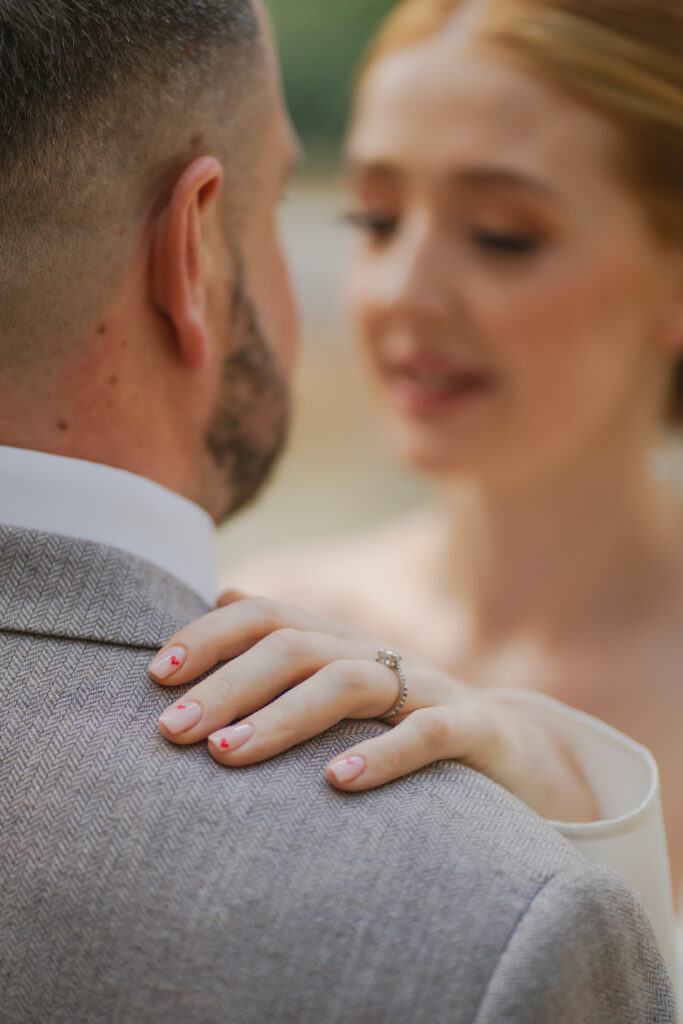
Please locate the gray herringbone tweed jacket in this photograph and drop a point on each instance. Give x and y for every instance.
(142, 883)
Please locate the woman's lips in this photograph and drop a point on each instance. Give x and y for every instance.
(425, 391)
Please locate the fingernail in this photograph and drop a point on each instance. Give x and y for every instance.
(232, 738)
(181, 717)
(348, 770)
(165, 664)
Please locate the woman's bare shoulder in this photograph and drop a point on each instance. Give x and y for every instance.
(330, 576)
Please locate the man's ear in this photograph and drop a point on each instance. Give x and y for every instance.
(180, 259)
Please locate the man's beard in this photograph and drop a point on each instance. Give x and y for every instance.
(250, 424)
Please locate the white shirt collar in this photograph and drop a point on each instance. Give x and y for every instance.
(89, 501)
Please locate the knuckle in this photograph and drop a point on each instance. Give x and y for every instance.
(222, 687)
(225, 683)
(488, 730)
(478, 723)
(391, 759)
(266, 611)
(432, 727)
(348, 674)
(288, 643)
(347, 677)
(278, 728)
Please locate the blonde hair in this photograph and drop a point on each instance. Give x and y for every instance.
(621, 58)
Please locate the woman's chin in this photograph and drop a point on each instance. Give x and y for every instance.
(446, 445)
(437, 460)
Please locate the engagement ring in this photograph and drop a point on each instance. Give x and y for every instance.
(393, 661)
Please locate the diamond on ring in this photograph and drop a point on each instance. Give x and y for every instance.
(393, 660)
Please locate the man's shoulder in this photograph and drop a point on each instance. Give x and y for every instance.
(183, 886)
(583, 950)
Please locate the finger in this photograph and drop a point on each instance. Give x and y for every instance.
(345, 689)
(230, 596)
(277, 663)
(462, 733)
(226, 633)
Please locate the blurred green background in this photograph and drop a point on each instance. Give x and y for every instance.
(320, 45)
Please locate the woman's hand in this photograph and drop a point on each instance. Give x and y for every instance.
(286, 676)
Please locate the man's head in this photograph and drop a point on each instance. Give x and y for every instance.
(147, 319)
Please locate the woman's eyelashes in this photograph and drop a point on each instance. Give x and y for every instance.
(505, 243)
(379, 226)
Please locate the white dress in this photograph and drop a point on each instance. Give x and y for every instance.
(629, 836)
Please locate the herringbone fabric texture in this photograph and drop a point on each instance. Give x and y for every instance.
(141, 883)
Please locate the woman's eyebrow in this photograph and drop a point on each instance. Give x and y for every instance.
(500, 177)
(383, 172)
(375, 170)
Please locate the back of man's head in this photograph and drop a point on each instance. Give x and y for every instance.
(102, 103)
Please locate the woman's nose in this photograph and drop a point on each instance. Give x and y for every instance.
(414, 276)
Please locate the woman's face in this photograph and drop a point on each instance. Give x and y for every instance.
(510, 297)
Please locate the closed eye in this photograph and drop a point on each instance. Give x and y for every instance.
(506, 243)
(379, 226)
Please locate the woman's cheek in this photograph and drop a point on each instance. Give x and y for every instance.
(361, 304)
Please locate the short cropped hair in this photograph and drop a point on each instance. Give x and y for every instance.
(101, 103)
